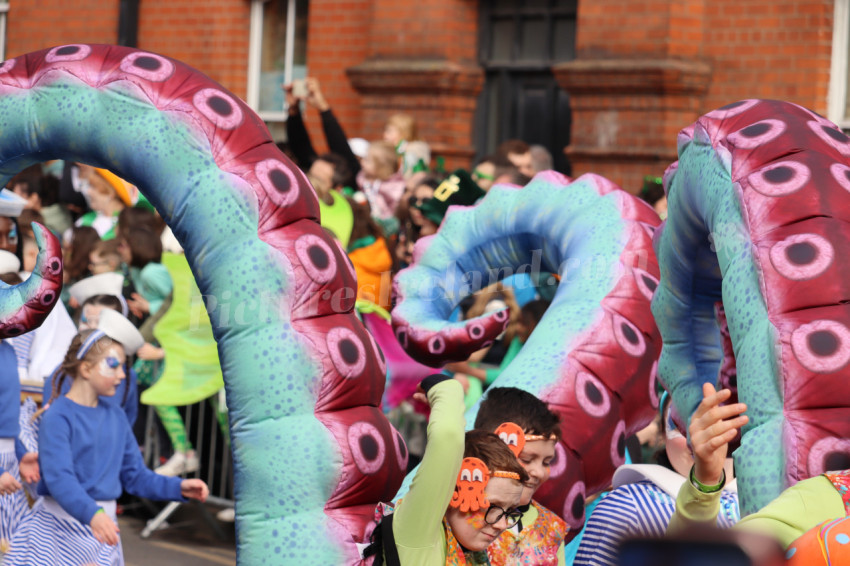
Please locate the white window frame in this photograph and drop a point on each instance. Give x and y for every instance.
(255, 47)
(4, 10)
(838, 92)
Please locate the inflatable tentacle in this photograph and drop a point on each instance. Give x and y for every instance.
(596, 345)
(24, 307)
(313, 453)
(758, 219)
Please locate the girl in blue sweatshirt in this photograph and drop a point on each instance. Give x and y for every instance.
(87, 456)
(13, 503)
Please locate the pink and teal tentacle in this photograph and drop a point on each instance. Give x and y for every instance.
(592, 356)
(313, 453)
(758, 219)
(24, 307)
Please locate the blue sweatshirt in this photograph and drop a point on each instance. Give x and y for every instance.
(10, 394)
(130, 404)
(90, 453)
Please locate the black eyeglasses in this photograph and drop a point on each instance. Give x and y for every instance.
(495, 513)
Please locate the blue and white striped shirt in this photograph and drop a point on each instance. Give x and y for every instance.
(636, 510)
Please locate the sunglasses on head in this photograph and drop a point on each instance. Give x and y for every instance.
(478, 175)
(416, 202)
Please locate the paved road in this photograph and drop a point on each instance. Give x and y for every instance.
(188, 541)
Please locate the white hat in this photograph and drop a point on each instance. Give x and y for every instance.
(117, 327)
(359, 147)
(11, 205)
(101, 284)
(9, 262)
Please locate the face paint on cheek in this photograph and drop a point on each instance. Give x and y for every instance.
(110, 364)
(105, 370)
(475, 520)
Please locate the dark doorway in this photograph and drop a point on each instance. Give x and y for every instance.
(518, 44)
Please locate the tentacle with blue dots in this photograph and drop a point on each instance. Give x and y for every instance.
(24, 307)
(592, 356)
(758, 218)
(312, 451)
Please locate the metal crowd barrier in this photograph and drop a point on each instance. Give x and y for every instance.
(212, 447)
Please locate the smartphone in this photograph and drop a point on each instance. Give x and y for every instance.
(299, 88)
(667, 552)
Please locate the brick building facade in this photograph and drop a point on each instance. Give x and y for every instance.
(606, 84)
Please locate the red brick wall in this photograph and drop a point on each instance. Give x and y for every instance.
(36, 25)
(213, 40)
(625, 126)
(773, 49)
(438, 41)
(606, 28)
(432, 29)
(337, 38)
(211, 36)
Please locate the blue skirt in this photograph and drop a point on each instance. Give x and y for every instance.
(13, 507)
(48, 535)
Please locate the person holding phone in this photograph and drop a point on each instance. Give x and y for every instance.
(310, 91)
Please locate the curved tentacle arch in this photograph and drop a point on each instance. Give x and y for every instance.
(312, 451)
(592, 356)
(24, 307)
(758, 218)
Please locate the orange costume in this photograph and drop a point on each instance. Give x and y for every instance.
(372, 263)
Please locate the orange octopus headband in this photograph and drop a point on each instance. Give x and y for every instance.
(514, 436)
(473, 477)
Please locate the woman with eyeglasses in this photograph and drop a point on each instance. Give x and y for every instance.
(463, 496)
(87, 456)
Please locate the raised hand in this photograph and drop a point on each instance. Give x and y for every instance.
(315, 97)
(711, 429)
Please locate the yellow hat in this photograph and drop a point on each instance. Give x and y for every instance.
(128, 193)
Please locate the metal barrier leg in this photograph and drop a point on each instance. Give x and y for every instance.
(209, 428)
(157, 521)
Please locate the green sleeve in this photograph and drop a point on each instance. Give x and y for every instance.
(513, 349)
(417, 523)
(561, 560)
(795, 511)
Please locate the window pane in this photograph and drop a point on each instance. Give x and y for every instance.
(534, 39)
(535, 5)
(505, 5)
(273, 58)
(565, 40)
(301, 11)
(502, 40)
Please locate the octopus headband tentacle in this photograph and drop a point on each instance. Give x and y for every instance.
(759, 219)
(313, 453)
(24, 307)
(597, 343)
